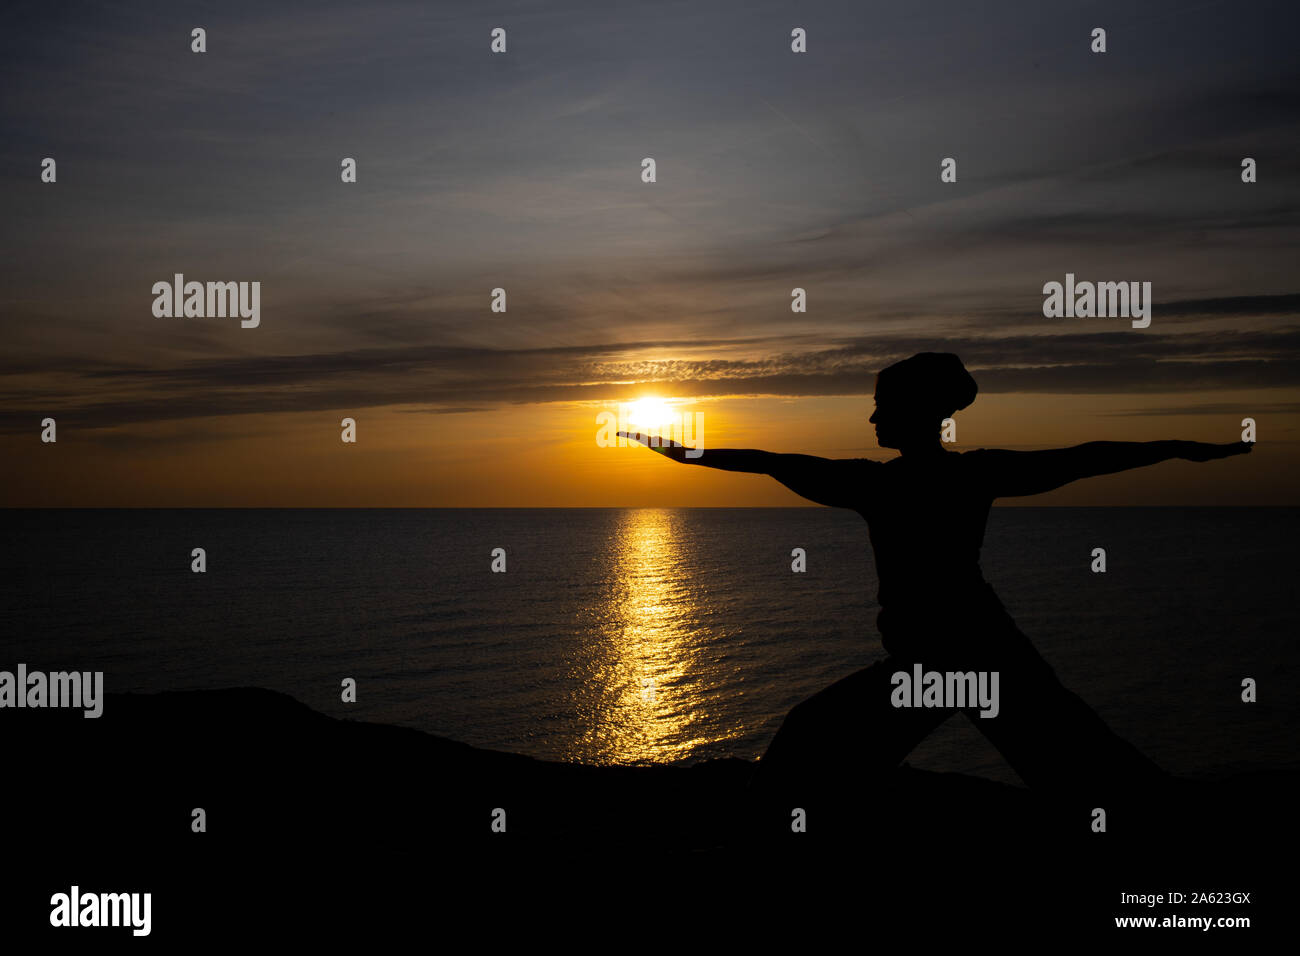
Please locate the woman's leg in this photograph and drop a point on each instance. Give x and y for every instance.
(1055, 741)
(842, 738)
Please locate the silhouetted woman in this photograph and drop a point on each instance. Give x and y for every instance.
(926, 512)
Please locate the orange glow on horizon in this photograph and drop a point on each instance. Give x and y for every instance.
(548, 455)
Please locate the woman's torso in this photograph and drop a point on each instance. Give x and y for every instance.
(927, 517)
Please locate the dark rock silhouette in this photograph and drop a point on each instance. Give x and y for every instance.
(350, 826)
(266, 767)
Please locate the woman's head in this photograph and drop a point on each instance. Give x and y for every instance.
(915, 395)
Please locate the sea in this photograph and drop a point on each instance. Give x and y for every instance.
(636, 636)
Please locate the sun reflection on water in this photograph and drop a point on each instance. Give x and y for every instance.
(641, 694)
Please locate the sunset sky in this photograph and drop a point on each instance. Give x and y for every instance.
(523, 171)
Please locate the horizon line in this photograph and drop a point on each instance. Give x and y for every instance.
(579, 507)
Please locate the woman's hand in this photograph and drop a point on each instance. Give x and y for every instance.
(669, 449)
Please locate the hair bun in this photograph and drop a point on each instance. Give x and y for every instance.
(937, 380)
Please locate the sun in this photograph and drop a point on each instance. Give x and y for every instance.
(650, 413)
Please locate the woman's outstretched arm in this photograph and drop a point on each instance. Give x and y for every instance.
(1011, 473)
(827, 481)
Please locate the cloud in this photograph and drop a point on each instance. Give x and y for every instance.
(463, 379)
(1256, 409)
